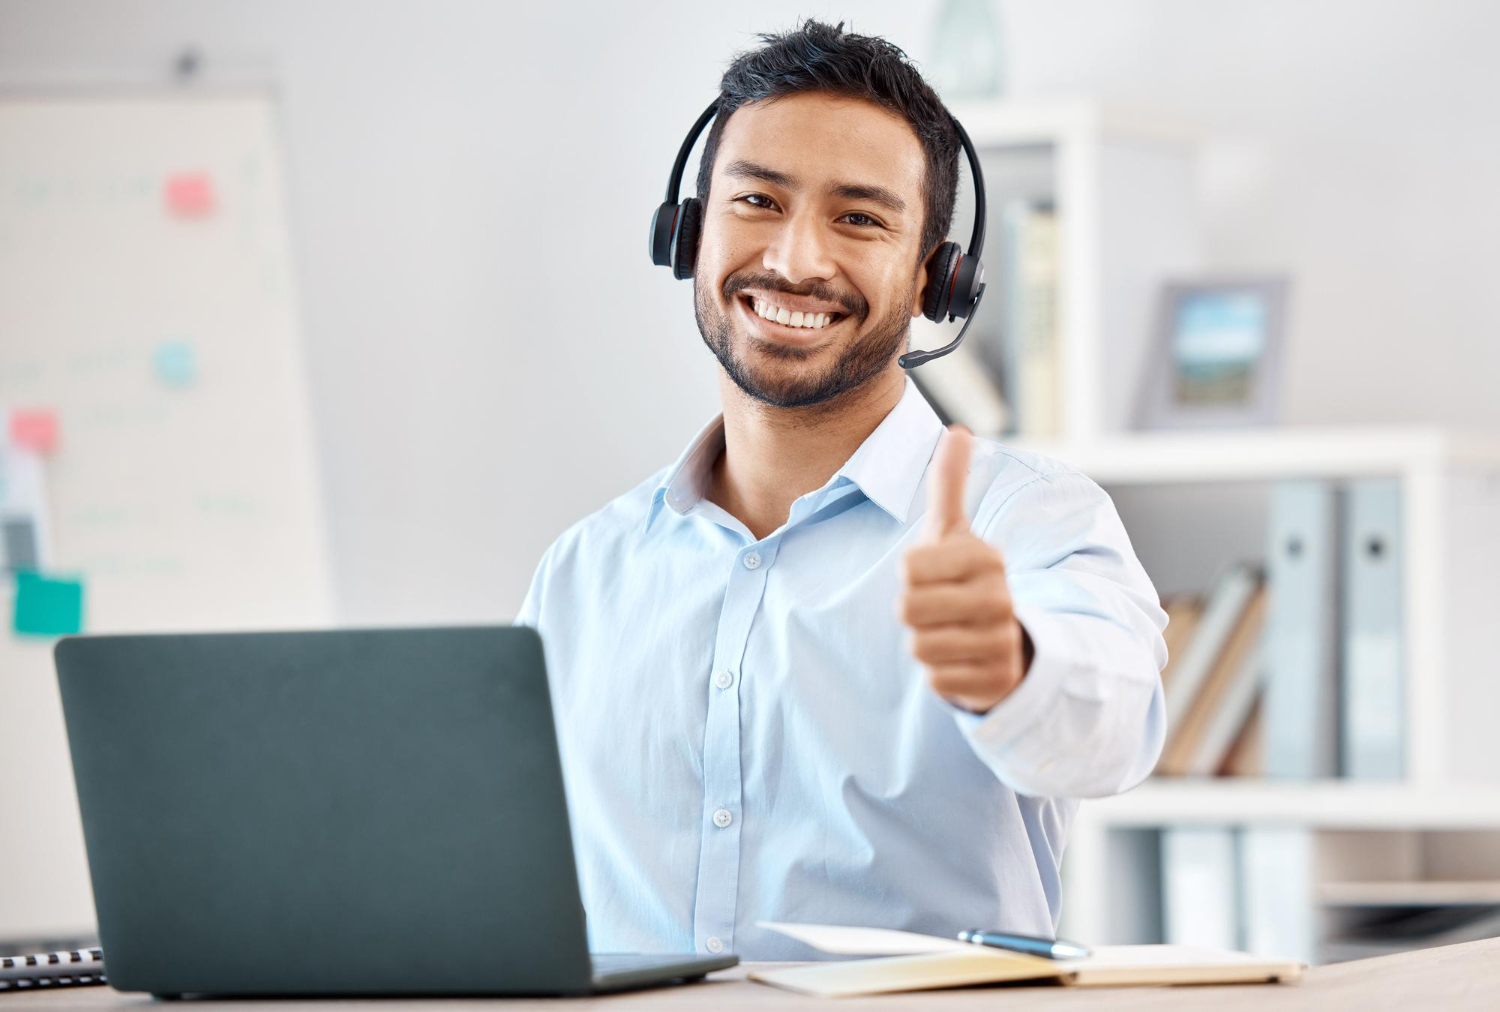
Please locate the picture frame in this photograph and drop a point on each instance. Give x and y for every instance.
(1217, 353)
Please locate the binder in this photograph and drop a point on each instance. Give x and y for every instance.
(1276, 889)
(1199, 877)
(1373, 680)
(1301, 721)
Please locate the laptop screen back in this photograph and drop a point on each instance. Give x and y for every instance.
(343, 812)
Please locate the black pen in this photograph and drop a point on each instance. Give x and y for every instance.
(1047, 948)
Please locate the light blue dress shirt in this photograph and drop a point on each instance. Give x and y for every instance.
(745, 735)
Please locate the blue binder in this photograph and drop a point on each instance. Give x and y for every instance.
(1301, 719)
(1373, 689)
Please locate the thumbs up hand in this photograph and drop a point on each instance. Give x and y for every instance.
(956, 599)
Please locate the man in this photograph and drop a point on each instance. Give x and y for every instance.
(825, 668)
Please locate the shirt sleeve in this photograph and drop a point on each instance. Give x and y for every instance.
(1088, 719)
(531, 605)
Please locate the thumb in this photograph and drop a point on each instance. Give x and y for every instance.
(945, 488)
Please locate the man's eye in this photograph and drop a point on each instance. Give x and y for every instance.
(754, 199)
(862, 220)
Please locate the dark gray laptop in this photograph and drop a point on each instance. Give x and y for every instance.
(371, 812)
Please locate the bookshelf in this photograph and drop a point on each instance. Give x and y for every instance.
(1123, 184)
(1122, 181)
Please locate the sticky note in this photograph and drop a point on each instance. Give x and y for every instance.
(34, 429)
(175, 363)
(189, 194)
(47, 606)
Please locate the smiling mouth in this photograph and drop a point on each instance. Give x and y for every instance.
(768, 312)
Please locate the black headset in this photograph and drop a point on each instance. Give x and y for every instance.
(955, 279)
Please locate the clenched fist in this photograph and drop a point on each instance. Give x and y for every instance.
(955, 599)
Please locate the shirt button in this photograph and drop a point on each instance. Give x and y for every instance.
(714, 943)
(723, 680)
(752, 560)
(722, 818)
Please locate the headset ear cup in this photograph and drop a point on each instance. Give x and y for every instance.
(662, 223)
(936, 299)
(685, 239)
(967, 282)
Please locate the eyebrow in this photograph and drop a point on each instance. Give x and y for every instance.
(852, 191)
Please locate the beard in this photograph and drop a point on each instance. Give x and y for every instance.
(858, 362)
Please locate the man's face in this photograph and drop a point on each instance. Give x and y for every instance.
(815, 210)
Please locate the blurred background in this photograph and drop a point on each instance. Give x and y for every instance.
(334, 312)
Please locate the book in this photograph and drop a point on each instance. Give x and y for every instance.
(1226, 603)
(908, 961)
(1229, 719)
(1237, 663)
(1183, 614)
(1246, 757)
(960, 389)
(52, 969)
(1030, 292)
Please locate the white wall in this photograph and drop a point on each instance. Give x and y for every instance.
(491, 354)
(1355, 143)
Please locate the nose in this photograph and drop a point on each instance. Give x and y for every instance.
(799, 251)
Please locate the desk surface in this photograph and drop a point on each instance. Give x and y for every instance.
(1452, 977)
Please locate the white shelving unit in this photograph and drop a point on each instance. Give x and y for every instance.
(1122, 181)
(1123, 184)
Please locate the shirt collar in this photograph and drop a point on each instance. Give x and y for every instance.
(888, 466)
(890, 463)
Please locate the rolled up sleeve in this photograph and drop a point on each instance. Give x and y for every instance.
(1088, 719)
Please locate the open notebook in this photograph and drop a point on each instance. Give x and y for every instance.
(913, 962)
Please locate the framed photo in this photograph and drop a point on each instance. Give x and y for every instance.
(1217, 354)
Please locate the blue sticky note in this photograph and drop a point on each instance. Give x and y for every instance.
(47, 606)
(176, 365)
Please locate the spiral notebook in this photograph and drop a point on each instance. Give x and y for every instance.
(71, 968)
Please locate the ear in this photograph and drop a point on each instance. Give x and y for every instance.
(924, 272)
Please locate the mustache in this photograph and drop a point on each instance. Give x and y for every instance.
(853, 303)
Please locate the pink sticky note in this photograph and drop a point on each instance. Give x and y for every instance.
(189, 194)
(34, 429)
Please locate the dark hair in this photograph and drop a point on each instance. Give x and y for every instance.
(820, 57)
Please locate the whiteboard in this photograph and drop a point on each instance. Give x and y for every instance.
(147, 298)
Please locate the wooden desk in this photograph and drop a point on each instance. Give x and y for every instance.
(1453, 977)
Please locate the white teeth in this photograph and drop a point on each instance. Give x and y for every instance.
(810, 321)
